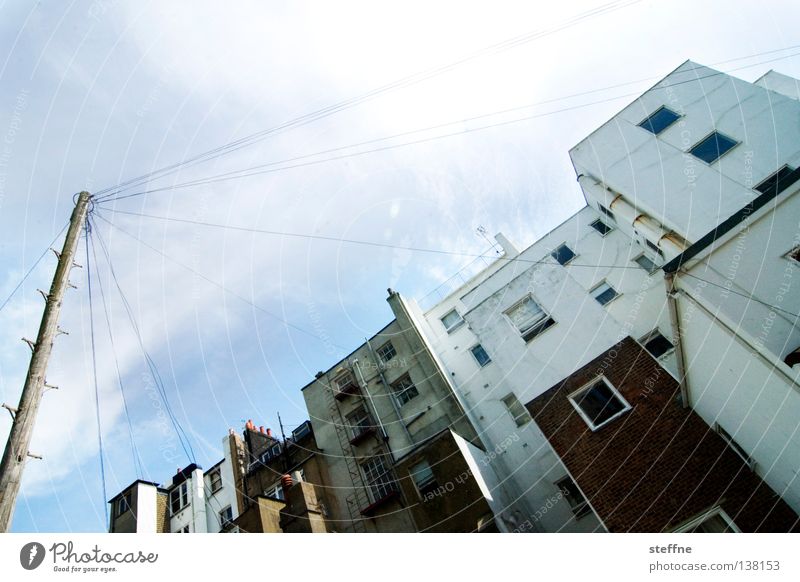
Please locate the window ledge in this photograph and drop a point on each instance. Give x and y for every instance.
(370, 509)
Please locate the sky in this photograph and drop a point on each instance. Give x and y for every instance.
(236, 322)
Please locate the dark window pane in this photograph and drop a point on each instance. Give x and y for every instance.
(606, 211)
(779, 181)
(480, 355)
(563, 254)
(645, 263)
(712, 147)
(660, 120)
(599, 403)
(601, 227)
(658, 345)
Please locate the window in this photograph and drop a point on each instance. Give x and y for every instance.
(577, 502)
(779, 181)
(660, 120)
(645, 263)
(656, 344)
(276, 492)
(601, 227)
(654, 248)
(343, 380)
(123, 504)
(386, 352)
(452, 321)
(184, 529)
(423, 477)
(179, 497)
(301, 431)
(604, 293)
(359, 423)
(271, 453)
(563, 254)
(714, 521)
(749, 461)
(606, 211)
(518, 412)
(713, 147)
(794, 255)
(225, 517)
(529, 318)
(480, 355)
(215, 480)
(378, 478)
(598, 403)
(404, 389)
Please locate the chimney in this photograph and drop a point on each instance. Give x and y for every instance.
(509, 249)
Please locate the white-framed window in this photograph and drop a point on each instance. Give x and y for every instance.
(518, 412)
(601, 227)
(271, 453)
(452, 321)
(604, 293)
(606, 211)
(713, 147)
(379, 479)
(343, 380)
(480, 355)
(179, 497)
(404, 389)
(712, 521)
(659, 120)
(737, 448)
(598, 402)
(225, 517)
(778, 181)
(184, 529)
(359, 422)
(423, 477)
(571, 492)
(123, 504)
(301, 431)
(655, 343)
(794, 255)
(646, 263)
(563, 254)
(215, 480)
(529, 319)
(276, 492)
(386, 352)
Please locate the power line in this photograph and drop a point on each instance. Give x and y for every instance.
(25, 277)
(267, 168)
(745, 295)
(153, 369)
(137, 461)
(219, 285)
(94, 376)
(351, 102)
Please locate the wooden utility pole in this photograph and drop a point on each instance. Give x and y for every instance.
(16, 451)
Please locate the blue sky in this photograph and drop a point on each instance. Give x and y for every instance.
(93, 93)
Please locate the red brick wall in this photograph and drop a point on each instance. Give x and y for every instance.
(659, 464)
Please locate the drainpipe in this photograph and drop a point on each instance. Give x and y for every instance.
(389, 392)
(371, 402)
(674, 319)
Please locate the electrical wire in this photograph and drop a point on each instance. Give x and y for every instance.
(369, 95)
(153, 369)
(25, 277)
(747, 296)
(268, 168)
(94, 374)
(137, 460)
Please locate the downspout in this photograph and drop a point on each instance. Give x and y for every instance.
(369, 398)
(674, 319)
(389, 392)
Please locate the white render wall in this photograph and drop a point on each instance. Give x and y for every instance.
(657, 176)
(146, 506)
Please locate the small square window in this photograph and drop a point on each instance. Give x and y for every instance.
(423, 477)
(563, 254)
(599, 403)
(480, 355)
(645, 263)
(779, 181)
(794, 255)
(660, 120)
(404, 389)
(577, 502)
(452, 321)
(604, 293)
(606, 211)
(656, 344)
(601, 227)
(386, 352)
(518, 412)
(713, 147)
(529, 318)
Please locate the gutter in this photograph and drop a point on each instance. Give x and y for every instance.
(674, 319)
